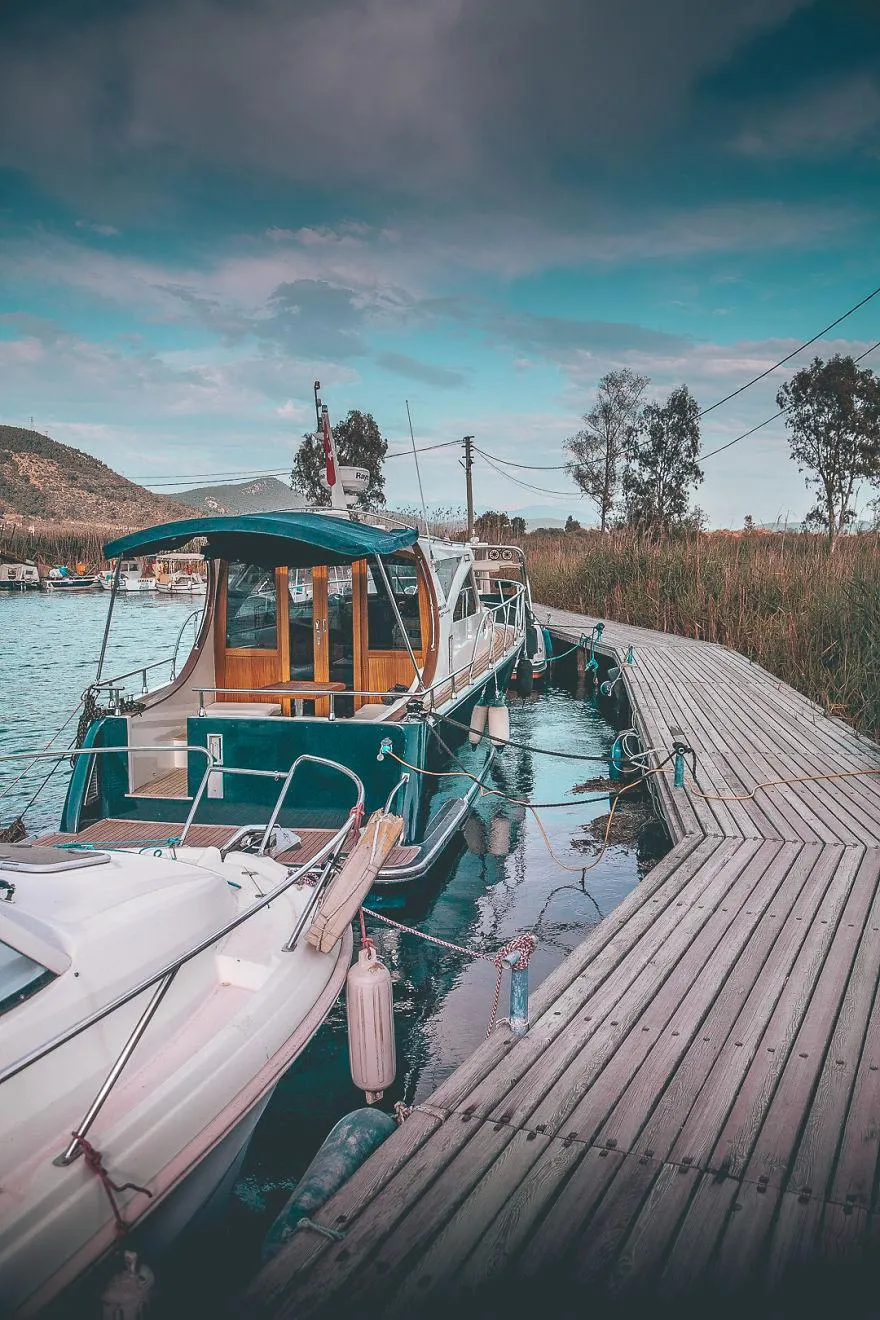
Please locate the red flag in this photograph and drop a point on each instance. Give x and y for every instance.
(328, 448)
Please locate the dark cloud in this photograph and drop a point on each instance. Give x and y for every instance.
(440, 377)
(558, 337)
(315, 318)
(475, 94)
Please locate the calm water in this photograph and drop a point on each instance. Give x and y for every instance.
(49, 648)
(500, 880)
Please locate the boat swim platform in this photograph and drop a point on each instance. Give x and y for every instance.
(141, 834)
(693, 1118)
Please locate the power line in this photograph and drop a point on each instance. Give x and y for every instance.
(768, 420)
(239, 474)
(540, 490)
(789, 356)
(532, 467)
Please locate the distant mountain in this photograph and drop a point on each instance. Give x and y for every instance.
(265, 495)
(43, 479)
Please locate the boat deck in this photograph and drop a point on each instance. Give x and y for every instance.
(695, 1110)
(135, 834)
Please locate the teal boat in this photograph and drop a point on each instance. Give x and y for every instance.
(328, 634)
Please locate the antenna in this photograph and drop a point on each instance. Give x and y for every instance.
(418, 470)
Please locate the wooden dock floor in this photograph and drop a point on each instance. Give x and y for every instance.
(695, 1111)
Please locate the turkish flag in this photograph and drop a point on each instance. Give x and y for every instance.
(328, 447)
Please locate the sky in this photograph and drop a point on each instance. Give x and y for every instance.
(478, 206)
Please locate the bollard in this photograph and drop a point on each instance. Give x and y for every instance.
(519, 995)
(678, 780)
(630, 657)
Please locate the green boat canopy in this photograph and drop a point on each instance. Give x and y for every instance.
(300, 540)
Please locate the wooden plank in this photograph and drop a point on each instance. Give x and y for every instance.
(497, 1245)
(597, 972)
(781, 931)
(770, 1011)
(784, 753)
(771, 1054)
(597, 1249)
(451, 1245)
(648, 1065)
(695, 1242)
(422, 1197)
(674, 1013)
(568, 1216)
(613, 1010)
(646, 1246)
(817, 1149)
(782, 1118)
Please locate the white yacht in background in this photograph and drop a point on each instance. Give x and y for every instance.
(19, 576)
(132, 576)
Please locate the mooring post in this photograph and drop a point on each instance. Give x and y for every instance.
(519, 994)
(678, 779)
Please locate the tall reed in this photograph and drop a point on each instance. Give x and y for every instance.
(811, 618)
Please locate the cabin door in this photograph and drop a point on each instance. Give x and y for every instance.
(321, 620)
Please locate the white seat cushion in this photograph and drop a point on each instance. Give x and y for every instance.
(260, 709)
(371, 711)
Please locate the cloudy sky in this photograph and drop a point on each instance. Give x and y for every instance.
(477, 205)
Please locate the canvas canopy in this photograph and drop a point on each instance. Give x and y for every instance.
(298, 539)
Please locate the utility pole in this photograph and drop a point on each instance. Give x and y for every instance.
(468, 465)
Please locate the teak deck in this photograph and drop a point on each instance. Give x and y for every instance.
(695, 1110)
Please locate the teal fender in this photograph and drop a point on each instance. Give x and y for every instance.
(348, 1144)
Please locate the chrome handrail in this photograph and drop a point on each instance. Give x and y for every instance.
(162, 979)
(194, 614)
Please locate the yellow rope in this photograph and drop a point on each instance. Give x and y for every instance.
(520, 802)
(777, 783)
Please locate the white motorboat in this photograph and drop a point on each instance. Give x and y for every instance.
(132, 577)
(183, 584)
(181, 574)
(61, 579)
(19, 576)
(149, 1003)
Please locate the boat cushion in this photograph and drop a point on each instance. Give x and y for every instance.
(261, 709)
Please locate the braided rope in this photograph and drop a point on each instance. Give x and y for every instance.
(524, 945)
(95, 1162)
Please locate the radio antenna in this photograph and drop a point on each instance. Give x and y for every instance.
(418, 471)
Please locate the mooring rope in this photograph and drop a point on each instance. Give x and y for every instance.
(524, 945)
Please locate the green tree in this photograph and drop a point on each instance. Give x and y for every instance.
(598, 449)
(661, 463)
(517, 526)
(359, 443)
(492, 526)
(572, 525)
(832, 411)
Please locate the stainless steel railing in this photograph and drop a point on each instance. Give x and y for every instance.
(160, 982)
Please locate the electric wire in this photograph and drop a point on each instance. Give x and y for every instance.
(775, 417)
(788, 357)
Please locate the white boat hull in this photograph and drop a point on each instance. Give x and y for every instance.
(178, 1120)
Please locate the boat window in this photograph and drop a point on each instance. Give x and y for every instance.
(383, 630)
(467, 601)
(20, 977)
(251, 620)
(446, 570)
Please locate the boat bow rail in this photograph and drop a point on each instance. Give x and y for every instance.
(320, 868)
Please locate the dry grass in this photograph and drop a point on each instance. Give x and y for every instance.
(810, 618)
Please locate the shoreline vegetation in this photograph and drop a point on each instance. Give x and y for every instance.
(809, 617)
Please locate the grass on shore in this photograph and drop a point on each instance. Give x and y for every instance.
(811, 618)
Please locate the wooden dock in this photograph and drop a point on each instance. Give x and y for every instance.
(695, 1111)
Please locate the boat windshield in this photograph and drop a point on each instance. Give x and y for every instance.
(20, 977)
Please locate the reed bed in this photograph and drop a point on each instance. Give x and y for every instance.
(58, 545)
(811, 618)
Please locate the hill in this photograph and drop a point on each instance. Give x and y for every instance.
(265, 495)
(43, 479)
